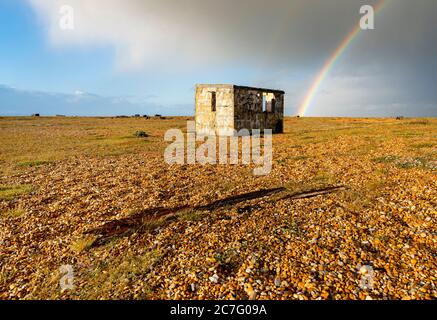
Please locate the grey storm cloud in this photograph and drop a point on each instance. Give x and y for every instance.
(296, 35)
(278, 31)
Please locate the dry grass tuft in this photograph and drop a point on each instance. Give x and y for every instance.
(320, 181)
(83, 244)
(13, 213)
(191, 215)
(6, 275)
(108, 280)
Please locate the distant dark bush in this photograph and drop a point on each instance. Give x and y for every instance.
(35, 115)
(141, 134)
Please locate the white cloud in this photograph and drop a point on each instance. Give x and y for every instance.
(141, 32)
(198, 32)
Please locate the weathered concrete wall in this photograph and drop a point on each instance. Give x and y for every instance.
(220, 121)
(237, 108)
(249, 113)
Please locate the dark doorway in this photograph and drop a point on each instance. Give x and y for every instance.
(279, 128)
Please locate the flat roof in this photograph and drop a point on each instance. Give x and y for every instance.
(238, 87)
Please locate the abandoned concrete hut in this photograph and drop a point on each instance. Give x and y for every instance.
(223, 108)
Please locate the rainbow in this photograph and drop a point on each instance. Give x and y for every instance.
(312, 91)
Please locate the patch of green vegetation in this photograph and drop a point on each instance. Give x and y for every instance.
(357, 200)
(106, 280)
(191, 215)
(375, 185)
(419, 162)
(112, 153)
(323, 177)
(423, 145)
(383, 171)
(385, 159)
(425, 162)
(228, 259)
(408, 134)
(112, 140)
(406, 165)
(83, 244)
(299, 158)
(6, 275)
(100, 137)
(31, 164)
(320, 181)
(307, 137)
(383, 238)
(10, 192)
(226, 186)
(419, 122)
(109, 279)
(280, 161)
(292, 228)
(13, 213)
(155, 224)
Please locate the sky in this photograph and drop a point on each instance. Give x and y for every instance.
(141, 56)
